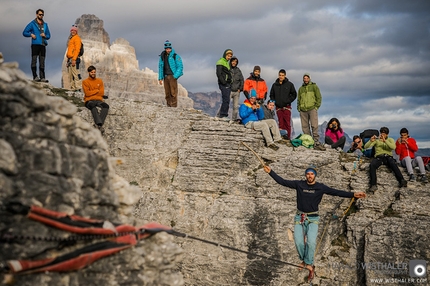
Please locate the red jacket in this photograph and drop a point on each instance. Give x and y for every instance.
(406, 149)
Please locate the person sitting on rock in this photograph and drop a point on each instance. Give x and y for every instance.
(252, 115)
(94, 97)
(334, 135)
(406, 147)
(384, 147)
(356, 146)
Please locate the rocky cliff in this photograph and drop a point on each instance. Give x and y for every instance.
(184, 169)
(117, 65)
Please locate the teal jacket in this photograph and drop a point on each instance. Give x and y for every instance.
(309, 97)
(175, 63)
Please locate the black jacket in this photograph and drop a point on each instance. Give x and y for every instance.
(283, 94)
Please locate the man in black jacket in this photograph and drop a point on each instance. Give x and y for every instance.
(283, 93)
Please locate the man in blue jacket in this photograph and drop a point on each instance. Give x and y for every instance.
(252, 115)
(170, 68)
(39, 32)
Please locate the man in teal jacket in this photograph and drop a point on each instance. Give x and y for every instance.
(170, 68)
(39, 32)
(308, 103)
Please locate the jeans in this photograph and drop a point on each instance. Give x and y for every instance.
(411, 163)
(225, 93)
(384, 160)
(38, 51)
(93, 105)
(308, 228)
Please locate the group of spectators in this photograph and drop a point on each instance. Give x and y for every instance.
(259, 108)
(258, 113)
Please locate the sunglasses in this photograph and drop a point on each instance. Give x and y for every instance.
(40, 14)
(271, 100)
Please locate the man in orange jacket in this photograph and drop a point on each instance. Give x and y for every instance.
(94, 97)
(254, 81)
(73, 49)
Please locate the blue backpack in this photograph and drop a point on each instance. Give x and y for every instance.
(365, 137)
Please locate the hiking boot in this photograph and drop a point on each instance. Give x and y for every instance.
(36, 79)
(44, 80)
(319, 147)
(285, 137)
(327, 146)
(412, 178)
(273, 146)
(373, 188)
(338, 149)
(403, 183)
(424, 179)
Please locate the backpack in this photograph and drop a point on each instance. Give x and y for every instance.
(365, 137)
(81, 51)
(303, 139)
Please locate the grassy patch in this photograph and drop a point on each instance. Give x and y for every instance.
(61, 92)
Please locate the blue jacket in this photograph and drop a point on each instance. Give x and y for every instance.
(247, 114)
(33, 28)
(175, 65)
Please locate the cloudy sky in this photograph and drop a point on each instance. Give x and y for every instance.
(371, 59)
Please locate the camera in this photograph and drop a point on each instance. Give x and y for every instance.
(355, 145)
(417, 268)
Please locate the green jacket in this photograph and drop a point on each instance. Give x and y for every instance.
(309, 97)
(381, 148)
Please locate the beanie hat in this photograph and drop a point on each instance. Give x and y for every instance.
(253, 93)
(307, 74)
(257, 68)
(312, 169)
(74, 28)
(167, 44)
(226, 52)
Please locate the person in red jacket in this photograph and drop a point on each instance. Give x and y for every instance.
(254, 81)
(406, 147)
(94, 95)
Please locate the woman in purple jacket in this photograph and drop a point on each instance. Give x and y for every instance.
(334, 135)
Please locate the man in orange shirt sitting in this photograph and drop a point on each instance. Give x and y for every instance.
(94, 97)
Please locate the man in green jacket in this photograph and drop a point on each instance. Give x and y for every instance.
(384, 147)
(225, 80)
(308, 103)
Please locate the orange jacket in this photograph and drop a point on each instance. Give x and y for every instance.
(93, 89)
(74, 47)
(255, 83)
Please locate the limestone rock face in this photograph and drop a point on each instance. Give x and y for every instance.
(117, 66)
(184, 169)
(52, 158)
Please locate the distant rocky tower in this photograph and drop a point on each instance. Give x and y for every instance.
(117, 65)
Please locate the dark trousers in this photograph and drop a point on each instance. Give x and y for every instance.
(339, 143)
(171, 90)
(93, 105)
(384, 160)
(38, 51)
(225, 94)
(284, 118)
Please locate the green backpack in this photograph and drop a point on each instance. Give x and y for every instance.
(303, 139)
